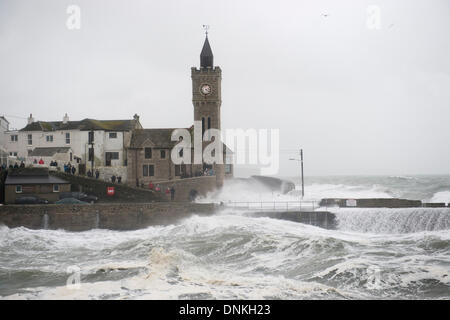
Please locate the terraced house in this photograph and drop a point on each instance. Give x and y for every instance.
(88, 142)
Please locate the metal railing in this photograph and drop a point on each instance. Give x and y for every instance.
(303, 205)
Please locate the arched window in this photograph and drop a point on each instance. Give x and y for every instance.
(203, 126)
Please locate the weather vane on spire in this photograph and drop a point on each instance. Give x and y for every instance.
(206, 27)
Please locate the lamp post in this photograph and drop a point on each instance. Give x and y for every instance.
(91, 142)
(301, 166)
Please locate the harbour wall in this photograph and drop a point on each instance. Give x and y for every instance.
(132, 216)
(322, 219)
(113, 216)
(378, 203)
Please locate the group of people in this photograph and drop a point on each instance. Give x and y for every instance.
(209, 172)
(157, 188)
(16, 166)
(206, 172)
(35, 161)
(96, 173)
(69, 168)
(113, 179)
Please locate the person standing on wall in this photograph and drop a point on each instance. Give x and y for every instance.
(172, 193)
(167, 191)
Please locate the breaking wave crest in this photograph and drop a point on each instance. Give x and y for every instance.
(382, 220)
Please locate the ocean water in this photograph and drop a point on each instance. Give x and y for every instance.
(373, 253)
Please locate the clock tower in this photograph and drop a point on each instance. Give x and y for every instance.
(206, 90)
(207, 99)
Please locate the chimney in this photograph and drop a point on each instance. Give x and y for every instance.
(66, 119)
(30, 119)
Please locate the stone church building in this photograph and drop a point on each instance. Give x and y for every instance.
(149, 154)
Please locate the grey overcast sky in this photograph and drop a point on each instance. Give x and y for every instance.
(358, 100)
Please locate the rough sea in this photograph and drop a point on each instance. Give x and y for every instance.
(373, 254)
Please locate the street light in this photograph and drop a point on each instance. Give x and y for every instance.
(301, 161)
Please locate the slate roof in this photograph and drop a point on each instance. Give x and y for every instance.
(83, 125)
(34, 180)
(161, 138)
(3, 117)
(27, 171)
(206, 56)
(48, 152)
(32, 176)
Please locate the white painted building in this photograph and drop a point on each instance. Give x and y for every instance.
(107, 151)
(4, 127)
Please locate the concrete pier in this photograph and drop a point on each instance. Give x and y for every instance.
(377, 203)
(323, 219)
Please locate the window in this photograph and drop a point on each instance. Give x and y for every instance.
(71, 157)
(151, 170)
(113, 135)
(163, 154)
(91, 137)
(180, 152)
(148, 170)
(14, 137)
(180, 169)
(203, 126)
(209, 127)
(30, 139)
(228, 168)
(148, 153)
(111, 156)
(68, 138)
(18, 189)
(56, 188)
(13, 154)
(49, 138)
(91, 154)
(145, 170)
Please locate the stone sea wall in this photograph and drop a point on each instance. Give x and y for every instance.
(117, 216)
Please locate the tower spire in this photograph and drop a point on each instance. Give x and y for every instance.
(206, 56)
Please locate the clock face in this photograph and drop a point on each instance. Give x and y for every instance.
(205, 89)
